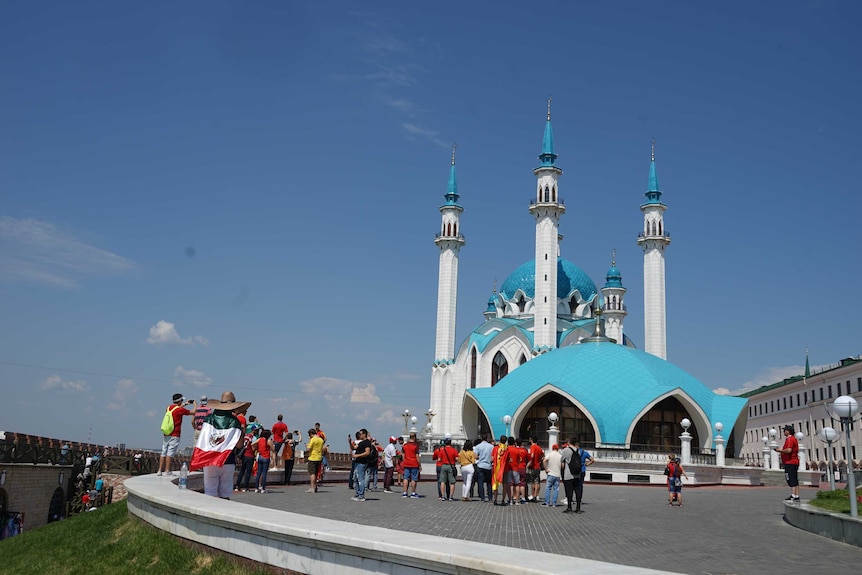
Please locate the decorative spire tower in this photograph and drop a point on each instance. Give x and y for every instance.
(654, 239)
(614, 309)
(547, 208)
(450, 240)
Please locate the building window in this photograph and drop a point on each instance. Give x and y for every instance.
(499, 369)
(473, 369)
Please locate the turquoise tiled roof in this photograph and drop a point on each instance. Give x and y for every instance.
(613, 383)
(569, 278)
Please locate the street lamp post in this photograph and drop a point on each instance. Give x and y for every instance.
(507, 420)
(846, 408)
(827, 435)
(719, 444)
(406, 416)
(553, 432)
(685, 441)
(773, 445)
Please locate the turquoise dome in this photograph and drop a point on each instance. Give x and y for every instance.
(569, 277)
(613, 383)
(614, 278)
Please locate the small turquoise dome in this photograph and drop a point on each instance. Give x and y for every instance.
(614, 278)
(569, 278)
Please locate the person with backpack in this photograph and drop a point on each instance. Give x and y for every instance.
(171, 427)
(574, 467)
(674, 472)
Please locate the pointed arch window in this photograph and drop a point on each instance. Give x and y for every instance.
(499, 368)
(473, 368)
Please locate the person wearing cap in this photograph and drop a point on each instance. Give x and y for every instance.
(390, 454)
(170, 443)
(553, 467)
(790, 459)
(200, 413)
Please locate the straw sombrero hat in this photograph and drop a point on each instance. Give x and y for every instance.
(229, 403)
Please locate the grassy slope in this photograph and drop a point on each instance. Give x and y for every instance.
(109, 542)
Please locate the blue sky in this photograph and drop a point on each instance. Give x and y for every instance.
(203, 196)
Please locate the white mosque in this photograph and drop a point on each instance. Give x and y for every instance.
(551, 341)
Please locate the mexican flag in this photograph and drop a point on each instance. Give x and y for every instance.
(220, 433)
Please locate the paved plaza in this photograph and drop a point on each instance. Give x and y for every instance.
(719, 530)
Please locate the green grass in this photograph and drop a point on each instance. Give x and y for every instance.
(836, 501)
(110, 542)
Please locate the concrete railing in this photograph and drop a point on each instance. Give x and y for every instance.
(318, 546)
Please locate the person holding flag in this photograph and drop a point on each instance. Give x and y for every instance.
(214, 449)
(500, 458)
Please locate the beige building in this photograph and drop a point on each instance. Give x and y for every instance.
(803, 401)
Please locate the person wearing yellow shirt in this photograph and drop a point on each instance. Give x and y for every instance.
(315, 450)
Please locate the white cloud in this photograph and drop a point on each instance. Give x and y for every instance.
(430, 135)
(165, 333)
(57, 383)
(124, 390)
(194, 377)
(34, 251)
(365, 394)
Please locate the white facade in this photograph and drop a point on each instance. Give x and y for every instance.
(802, 402)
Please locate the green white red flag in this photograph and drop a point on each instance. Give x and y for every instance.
(220, 433)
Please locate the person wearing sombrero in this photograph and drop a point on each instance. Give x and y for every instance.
(214, 450)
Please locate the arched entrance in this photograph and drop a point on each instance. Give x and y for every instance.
(572, 420)
(659, 429)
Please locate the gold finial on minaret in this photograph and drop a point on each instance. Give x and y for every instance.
(549, 108)
(454, 146)
(652, 150)
(614, 258)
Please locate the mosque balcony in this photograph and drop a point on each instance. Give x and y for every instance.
(644, 237)
(535, 202)
(460, 238)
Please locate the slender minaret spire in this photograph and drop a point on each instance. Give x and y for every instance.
(614, 309)
(547, 209)
(654, 239)
(450, 240)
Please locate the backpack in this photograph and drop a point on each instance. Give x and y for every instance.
(575, 463)
(168, 421)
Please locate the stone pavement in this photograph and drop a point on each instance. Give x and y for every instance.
(719, 530)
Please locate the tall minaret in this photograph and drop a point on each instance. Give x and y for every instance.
(614, 309)
(547, 209)
(654, 239)
(449, 240)
(445, 398)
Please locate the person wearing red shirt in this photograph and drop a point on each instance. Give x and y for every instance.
(534, 469)
(790, 459)
(447, 456)
(279, 431)
(411, 466)
(170, 443)
(264, 448)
